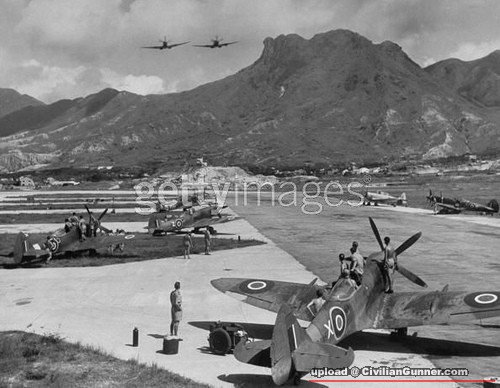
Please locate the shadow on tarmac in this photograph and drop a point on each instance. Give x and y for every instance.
(419, 345)
(252, 380)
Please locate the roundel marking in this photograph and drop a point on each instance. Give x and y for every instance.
(255, 286)
(129, 236)
(178, 223)
(483, 299)
(339, 321)
(53, 244)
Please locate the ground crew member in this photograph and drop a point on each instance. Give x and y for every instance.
(315, 305)
(208, 242)
(390, 263)
(82, 228)
(74, 219)
(176, 309)
(358, 265)
(188, 244)
(67, 225)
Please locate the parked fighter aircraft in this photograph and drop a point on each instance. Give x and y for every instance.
(456, 206)
(292, 350)
(62, 240)
(197, 216)
(216, 43)
(164, 45)
(53, 182)
(385, 198)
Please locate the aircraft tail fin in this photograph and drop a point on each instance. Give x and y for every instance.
(402, 200)
(494, 205)
(293, 351)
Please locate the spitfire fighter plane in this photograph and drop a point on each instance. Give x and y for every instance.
(456, 206)
(385, 198)
(28, 251)
(291, 350)
(165, 45)
(197, 216)
(216, 43)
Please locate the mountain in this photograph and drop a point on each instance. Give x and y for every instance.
(335, 98)
(10, 101)
(478, 81)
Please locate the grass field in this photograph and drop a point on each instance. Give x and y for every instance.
(142, 247)
(30, 360)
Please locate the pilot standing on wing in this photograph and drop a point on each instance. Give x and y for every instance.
(389, 264)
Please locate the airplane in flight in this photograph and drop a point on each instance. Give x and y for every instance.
(216, 43)
(456, 206)
(197, 216)
(164, 45)
(54, 182)
(381, 197)
(28, 251)
(291, 350)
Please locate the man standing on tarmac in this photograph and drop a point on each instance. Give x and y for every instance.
(176, 309)
(208, 241)
(188, 244)
(389, 264)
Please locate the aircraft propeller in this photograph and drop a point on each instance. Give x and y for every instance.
(99, 225)
(403, 247)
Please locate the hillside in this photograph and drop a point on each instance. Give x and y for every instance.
(11, 101)
(334, 98)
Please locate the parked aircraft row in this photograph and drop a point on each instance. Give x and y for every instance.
(216, 42)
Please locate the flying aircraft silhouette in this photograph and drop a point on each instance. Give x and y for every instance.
(291, 350)
(164, 45)
(216, 43)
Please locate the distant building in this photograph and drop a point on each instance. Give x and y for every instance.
(26, 182)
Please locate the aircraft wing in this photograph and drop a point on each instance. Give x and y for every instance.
(269, 294)
(177, 44)
(153, 47)
(450, 208)
(98, 242)
(434, 308)
(203, 45)
(227, 44)
(214, 220)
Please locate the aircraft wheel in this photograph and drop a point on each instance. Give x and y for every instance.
(297, 379)
(220, 341)
(211, 230)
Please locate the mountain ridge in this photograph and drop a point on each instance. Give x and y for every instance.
(331, 99)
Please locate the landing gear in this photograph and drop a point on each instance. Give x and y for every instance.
(211, 230)
(297, 378)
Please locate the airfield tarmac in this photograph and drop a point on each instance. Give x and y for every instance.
(92, 305)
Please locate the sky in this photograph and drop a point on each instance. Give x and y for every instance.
(55, 49)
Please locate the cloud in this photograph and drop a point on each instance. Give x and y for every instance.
(86, 45)
(141, 84)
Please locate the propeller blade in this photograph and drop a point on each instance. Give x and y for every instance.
(102, 214)
(408, 243)
(86, 207)
(376, 233)
(106, 230)
(411, 276)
